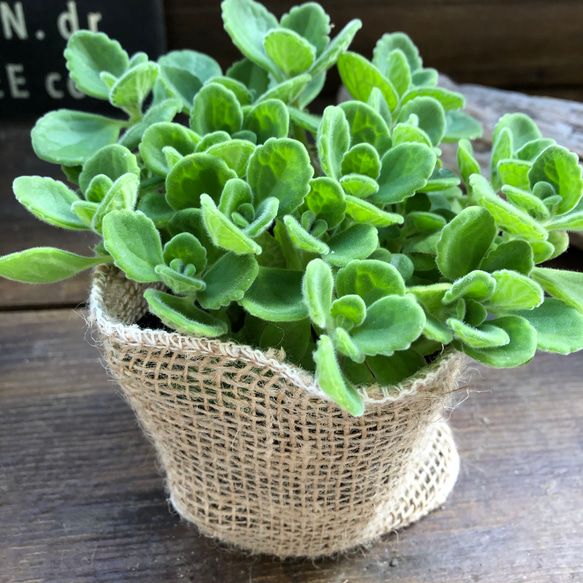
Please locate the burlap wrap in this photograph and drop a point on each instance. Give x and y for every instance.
(254, 453)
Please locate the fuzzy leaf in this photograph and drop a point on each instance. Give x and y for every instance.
(335, 48)
(251, 75)
(276, 295)
(280, 168)
(122, 195)
(130, 90)
(350, 307)
(48, 200)
(235, 153)
(515, 255)
(289, 91)
(326, 200)
(501, 150)
(518, 351)
(484, 336)
(113, 161)
(268, 119)
(179, 283)
(525, 201)
(563, 285)
(391, 370)
(333, 141)
(533, 148)
(392, 41)
(431, 116)
(477, 285)
(450, 100)
(194, 175)
(366, 126)
(464, 242)
(514, 173)
(345, 345)
(182, 315)
(365, 212)
(311, 22)
(405, 169)
(361, 159)
(89, 54)
(356, 242)
(228, 280)
(187, 248)
(304, 119)
(45, 265)
(391, 323)
(559, 328)
(291, 53)
(264, 217)
(72, 137)
(404, 133)
(215, 108)
(436, 330)
(397, 71)
(317, 289)
(520, 127)
(370, 279)
(359, 185)
(302, 239)
(460, 126)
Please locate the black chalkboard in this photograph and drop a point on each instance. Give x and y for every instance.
(33, 36)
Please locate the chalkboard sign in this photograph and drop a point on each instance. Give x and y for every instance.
(33, 36)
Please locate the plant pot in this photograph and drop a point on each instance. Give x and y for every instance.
(255, 454)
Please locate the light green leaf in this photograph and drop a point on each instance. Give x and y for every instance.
(160, 135)
(235, 193)
(179, 283)
(326, 199)
(304, 119)
(130, 90)
(521, 128)
(525, 201)
(344, 344)
(235, 153)
(291, 53)
(228, 280)
(302, 239)
(391, 323)
(122, 195)
(330, 378)
(518, 351)
(216, 108)
(390, 42)
(484, 336)
(212, 139)
(366, 126)
(532, 149)
(379, 105)
(459, 126)
(501, 150)
(563, 285)
(311, 22)
(464, 242)
(113, 161)
(72, 137)
(333, 141)
(188, 249)
(268, 119)
(349, 308)
(243, 94)
(431, 116)
(516, 255)
(85, 210)
(280, 168)
(436, 330)
(559, 328)
(370, 279)
(514, 291)
(182, 315)
(276, 295)
(48, 200)
(514, 173)
(45, 265)
(89, 54)
(441, 179)
(404, 170)
(356, 242)
(133, 241)
(450, 100)
(359, 185)
(194, 175)
(397, 71)
(335, 48)
(361, 159)
(405, 133)
(477, 285)
(362, 211)
(425, 77)
(289, 91)
(317, 289)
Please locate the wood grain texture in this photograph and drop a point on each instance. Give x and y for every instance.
(81, 498)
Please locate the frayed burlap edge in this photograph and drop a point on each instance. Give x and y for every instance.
(255, 453)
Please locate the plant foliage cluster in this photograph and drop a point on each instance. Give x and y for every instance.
(341, 237)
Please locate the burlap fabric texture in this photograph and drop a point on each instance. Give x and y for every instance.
(254, 453)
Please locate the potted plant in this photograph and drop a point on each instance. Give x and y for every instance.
(285, 297)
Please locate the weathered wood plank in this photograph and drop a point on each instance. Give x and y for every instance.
(82, 499)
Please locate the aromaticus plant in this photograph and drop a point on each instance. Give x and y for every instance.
(340, 237)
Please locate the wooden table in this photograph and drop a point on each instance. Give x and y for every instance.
(81, 498)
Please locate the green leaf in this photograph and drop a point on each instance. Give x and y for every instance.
(235, 153)
(459, 126)
(484, 336)
(436, 330)
(122, 195)
(228, 280)
(506, 215)
(390, 42)
(572, 221)
(85, 210)
(178, 282)
(133, 241)
(212, 139)
(440, 179)
(525, 201)
(312, 89)
(404, 170)
(235, 193)
(391, 324)
(187, 248)
(450, 100)
(559, 328)
(391, 370)
(366, 126)
(276, 295)
(362, 211)
(130, 90)
(405, 133)
(215, 108)
(302, 239)
(333, 141)
(532, 149)
(247, 23)
(291, 53)
(251, 75)
(560, 168)
(289, 91)
(515, 255)
(349, 308)
(317, 289)
(563, 285)
(514, 173)
(194, 175)
(241, 92)
(223, 232)
(335, 48)
(304, 119)
(181, 315)
(356, 242)
(268, 119)
(331, 380)
(431, 116)
(160, 135)
(542, 251)
(345, 345)
(360, 76)
(280, 168)
(72, 137)
(477, 285)
(89, 54)
(501, 150)
(361, 159)
(326, 199)
(397, 71)
(518, 351)
(379, 105)
(464, 242)
(113, 161)
(48, 200)
(359, 185)
(45, 265)
(370, 279)
(425, 77)
(521, 128)
(154, 206)
(311, 22)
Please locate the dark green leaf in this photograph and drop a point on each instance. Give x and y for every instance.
(391, 370)
(251, 75)
(187, 248)
(515, 255)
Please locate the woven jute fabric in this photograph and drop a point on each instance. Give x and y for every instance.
(253, 451)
